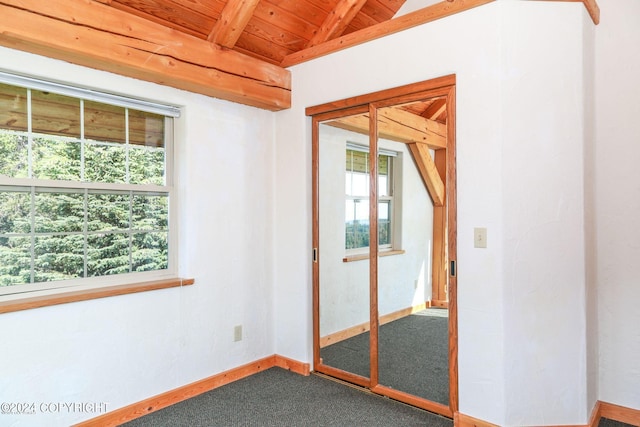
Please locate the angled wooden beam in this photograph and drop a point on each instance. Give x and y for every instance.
(337, 21)
(419, 17)
(234, 18)
(92, 34)
(439, 245)
(435, 133)
(435, 109)
(400, 126)
(428, 172)
(593, 9)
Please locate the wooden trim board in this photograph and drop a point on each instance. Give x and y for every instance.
(600, 410)
(419, 402)
(594, 420)
(619, 413)
(155, 403)
(89, 294)
(362, 257)
(452, 246)
(439, 303)
(432, 88)
(462, 420)
(292, 365)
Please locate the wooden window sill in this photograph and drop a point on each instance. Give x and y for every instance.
(360, 257)
(88, 294)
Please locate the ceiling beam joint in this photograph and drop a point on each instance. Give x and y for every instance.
(337, 21)
(234, 18)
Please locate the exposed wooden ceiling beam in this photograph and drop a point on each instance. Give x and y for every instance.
(435, 133)
(234, 18)
(419, 17)
(438, 107)
(593, 9)
(400, 126)
(337, 21)
(92, 34)
(428, 172)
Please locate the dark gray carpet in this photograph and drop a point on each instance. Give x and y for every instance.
(413, 356)
(277, 397)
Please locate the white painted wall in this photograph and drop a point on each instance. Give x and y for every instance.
(124, 349)
(591, 291)
(404, 280)
(543, 222)
(413, 5)
(617, 201)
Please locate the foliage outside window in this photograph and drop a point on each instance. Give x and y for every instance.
(357, 199)
(83, 190)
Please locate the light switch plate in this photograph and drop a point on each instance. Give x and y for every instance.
(237, 333)
(479, 237)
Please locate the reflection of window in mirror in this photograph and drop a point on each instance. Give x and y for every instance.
(357, 174)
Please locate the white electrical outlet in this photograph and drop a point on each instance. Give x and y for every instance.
(237, 333)
(479, 237)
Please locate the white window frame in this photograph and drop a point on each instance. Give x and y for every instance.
(90, 283)
(394, 198)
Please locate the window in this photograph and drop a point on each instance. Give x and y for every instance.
(85, 186)
(357, 199)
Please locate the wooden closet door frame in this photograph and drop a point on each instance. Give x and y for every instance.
(439, 87)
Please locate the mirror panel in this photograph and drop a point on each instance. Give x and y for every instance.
(344, 240)
(413, 337)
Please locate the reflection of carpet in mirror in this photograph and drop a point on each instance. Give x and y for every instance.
(413, 355)
(437, 312)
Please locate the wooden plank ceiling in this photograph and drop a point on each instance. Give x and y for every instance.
(236, 50)
(268, 30)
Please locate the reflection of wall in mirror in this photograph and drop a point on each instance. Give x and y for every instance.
(404, 280)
